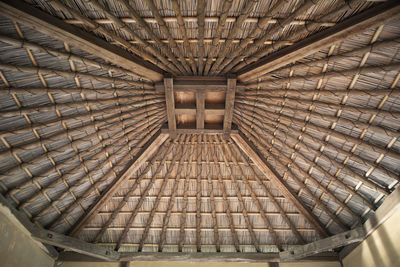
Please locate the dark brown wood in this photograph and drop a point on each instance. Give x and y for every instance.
(170, 101)
(70, 243)
(19, 11)
(375, 16)
(200, 109)
(332, 242)
(262, 164)
(229, 104)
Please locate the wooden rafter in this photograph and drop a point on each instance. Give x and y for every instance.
(24, 13)
(374, 16)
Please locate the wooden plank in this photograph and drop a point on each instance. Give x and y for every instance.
(198, 131)
(196, 85)
(143, 155)
(229, 103)
(323, 245)
(71, 243)
(67, 256)
(190, 109)
(200, 109)
(170, 101)
(374, 16)
(40, 21)
(218, 257)
(262, 164)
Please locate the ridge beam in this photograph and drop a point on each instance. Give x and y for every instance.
(50, 26)
(374, 16)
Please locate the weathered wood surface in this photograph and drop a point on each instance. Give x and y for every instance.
(170, 102)
(358, 23)
(143, 155)
(24, 13)
(71, 243)
(212, 85)
(229, 104)
(198, 131)
(322, 245)
(200, 109)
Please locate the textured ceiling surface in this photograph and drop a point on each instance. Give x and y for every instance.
(327, 125)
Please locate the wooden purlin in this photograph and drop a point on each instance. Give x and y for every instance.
(27, 15)
(375, 16)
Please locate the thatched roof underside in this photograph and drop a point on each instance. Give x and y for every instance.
(327, 125)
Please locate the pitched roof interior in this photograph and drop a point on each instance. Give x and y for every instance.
(327, 125)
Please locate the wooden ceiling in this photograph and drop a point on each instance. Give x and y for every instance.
(87, 89)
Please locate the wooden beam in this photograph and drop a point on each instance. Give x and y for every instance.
(198, 131)
(262, 164)
(200, 109)
(218, 257)
(67, 256)
(374, 16)
(143, 155)
(71, 243)
(229, 103)
(190, 109)
(196, 84)
(40, 21)
(323, 245)
(170, 101)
